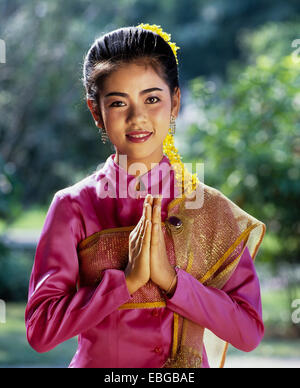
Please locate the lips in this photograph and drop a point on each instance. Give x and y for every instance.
(134, 133)
(138, 136)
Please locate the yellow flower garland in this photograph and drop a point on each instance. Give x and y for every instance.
(167, 37)
(188, 181)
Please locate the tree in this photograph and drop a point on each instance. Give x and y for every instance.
(46, 131)
(249, 140)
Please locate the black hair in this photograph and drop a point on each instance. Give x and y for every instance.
(128, 45)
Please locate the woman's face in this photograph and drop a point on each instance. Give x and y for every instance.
(136, 99)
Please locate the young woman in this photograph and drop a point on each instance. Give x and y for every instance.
(137, 260)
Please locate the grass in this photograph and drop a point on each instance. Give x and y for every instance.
(16, 352)
(272, 348)
(32, 219)
(276, 309)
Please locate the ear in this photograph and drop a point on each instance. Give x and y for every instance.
(176, 102)
(95, 112)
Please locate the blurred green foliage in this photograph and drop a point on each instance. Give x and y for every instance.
(247, 126)
(249, 136)
(46, 131)
(15, 269)
(11, 192)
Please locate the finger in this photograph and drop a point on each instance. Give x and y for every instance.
(148, 211)
(146, 215)
(138, 227)
(157, 200)
(138, 238)
(141, 226)
(156, 214)
(146, 238)
(151, 200)
(135, 232)
(154, 236)
(147, 202)
(148, 199)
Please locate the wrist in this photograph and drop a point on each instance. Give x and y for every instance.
(170, 283)
(171, 292)
(166, 275)
(131, 284)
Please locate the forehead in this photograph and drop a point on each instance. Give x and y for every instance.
(133, 76)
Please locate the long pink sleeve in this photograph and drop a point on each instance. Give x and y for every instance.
(234, 313)
(56, 310)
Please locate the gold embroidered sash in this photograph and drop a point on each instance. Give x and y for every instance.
(208, 244)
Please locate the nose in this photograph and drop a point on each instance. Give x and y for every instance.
(137, 115)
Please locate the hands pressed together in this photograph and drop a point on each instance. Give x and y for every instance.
(148, 257)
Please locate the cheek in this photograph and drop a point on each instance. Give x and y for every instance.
(161, 113)
(113, 120)
(111, 114)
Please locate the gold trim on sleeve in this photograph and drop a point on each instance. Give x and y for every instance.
(175, 335)
(142, 305)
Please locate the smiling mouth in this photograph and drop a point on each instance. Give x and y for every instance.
(139, 137)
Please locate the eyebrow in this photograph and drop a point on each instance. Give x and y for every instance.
(126, 95)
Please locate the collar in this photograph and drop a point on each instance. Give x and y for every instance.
(159, 180)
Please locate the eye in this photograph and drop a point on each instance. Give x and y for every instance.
(153, 97)
(116, 102)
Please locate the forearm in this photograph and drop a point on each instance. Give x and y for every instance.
(52, 316)
(233, 313)
(218, 312)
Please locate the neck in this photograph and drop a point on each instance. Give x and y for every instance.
(147, 163)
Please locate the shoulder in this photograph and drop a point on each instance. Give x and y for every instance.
(88, 187)
(70, 206)
(82, 194)
(72, 202)
(78, 189)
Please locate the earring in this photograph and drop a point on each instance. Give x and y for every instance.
(104, 136)
(172, 129)
(102, 131)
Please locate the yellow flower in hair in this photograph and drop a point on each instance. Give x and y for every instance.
(187, 182)
(164, 35)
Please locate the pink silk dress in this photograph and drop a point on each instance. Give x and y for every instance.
(107, 336)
